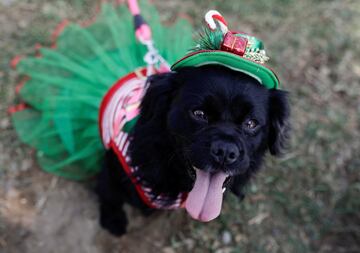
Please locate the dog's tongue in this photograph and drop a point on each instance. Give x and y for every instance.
(204, 201)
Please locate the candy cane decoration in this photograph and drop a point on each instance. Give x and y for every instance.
(213, 15)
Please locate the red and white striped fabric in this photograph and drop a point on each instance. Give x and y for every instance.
(118, 113)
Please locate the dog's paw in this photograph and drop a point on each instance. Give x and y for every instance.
(238, 193)
(240, 196)
(115, 225)
(116, 230)
(113, 219)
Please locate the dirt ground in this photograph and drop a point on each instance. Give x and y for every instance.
(55, 215)
(308, 201)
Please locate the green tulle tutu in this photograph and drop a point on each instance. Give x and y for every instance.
(67, 83)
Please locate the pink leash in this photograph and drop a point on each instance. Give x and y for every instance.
(143, 33)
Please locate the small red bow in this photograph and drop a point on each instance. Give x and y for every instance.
(234, 44)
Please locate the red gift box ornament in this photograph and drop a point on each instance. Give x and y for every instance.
(234, 44)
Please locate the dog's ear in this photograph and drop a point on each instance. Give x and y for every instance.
(279, 113)
(151, 144)
(158, 98)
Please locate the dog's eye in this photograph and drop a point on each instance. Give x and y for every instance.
(198, 114)
(251, 124)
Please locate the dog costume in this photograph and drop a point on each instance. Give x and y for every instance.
(84, 93)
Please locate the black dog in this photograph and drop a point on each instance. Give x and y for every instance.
(203, 120)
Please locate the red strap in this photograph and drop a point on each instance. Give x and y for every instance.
(16, 108)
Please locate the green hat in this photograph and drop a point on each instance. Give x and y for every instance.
(235, 50)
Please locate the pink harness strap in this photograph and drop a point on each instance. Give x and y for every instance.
(143, 31)
(144, 36)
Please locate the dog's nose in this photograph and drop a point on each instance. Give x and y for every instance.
(224, 152)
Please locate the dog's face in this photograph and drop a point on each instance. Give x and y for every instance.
(220, 119)
(220, 122)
